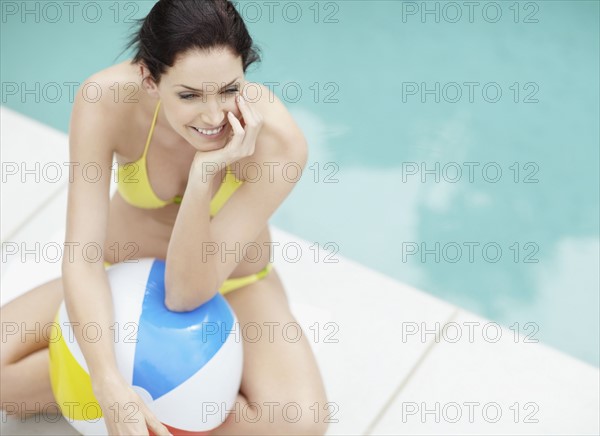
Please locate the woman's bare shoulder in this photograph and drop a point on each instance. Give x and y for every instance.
(108, 98)
(280, 132)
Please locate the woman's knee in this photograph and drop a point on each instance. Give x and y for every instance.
(27, 321)
(306, 418)
(291, 415)
(9, 378)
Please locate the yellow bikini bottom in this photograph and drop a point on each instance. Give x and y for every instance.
(238, 282)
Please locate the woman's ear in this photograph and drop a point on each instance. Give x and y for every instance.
(148, 82)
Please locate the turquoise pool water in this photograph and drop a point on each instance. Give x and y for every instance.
(460, 147)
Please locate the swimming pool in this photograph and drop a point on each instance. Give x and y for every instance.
(453, 147)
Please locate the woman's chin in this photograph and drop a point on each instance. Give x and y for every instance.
(208, 145)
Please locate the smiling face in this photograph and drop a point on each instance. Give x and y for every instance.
(196, 94)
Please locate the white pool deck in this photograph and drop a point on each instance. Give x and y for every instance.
(379, 381)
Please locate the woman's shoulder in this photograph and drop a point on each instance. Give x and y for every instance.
(280, 134)
(107, 97)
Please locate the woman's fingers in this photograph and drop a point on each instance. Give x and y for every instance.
(155, 425)
(251, 115)
(135, 424)
(151, 422)
(252, 119)
(235, 125)
(246, 110)
(242, 141)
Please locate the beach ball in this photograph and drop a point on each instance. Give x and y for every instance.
(186, 366)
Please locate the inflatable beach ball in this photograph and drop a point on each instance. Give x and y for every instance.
(186, 366)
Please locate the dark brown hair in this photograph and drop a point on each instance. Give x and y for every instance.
(174, 27)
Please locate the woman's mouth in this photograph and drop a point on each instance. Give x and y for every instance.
(210, 134)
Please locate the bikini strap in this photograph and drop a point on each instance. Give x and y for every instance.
(151, 129)
(229, 172)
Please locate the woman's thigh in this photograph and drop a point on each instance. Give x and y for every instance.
(26, 321)
(280, 369)
(279, 365)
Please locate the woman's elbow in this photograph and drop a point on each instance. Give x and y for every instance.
(178, 301)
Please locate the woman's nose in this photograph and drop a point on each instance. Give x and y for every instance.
(212, 120)
(213, 115)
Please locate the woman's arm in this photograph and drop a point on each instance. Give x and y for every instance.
(86, 287)
(190, 237)
(87, 291)
(193, 276)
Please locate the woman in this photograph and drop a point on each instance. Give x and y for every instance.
(183, 141)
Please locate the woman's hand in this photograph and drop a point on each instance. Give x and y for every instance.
(241, 142)
(124, 412)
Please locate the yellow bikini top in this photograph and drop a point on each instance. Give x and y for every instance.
(134, 184)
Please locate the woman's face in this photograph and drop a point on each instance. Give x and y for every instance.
(196, 94)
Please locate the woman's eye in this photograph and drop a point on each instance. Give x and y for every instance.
(190, 96)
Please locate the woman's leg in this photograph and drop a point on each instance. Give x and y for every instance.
(280, 375)
(282, 391)
(24, 355)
